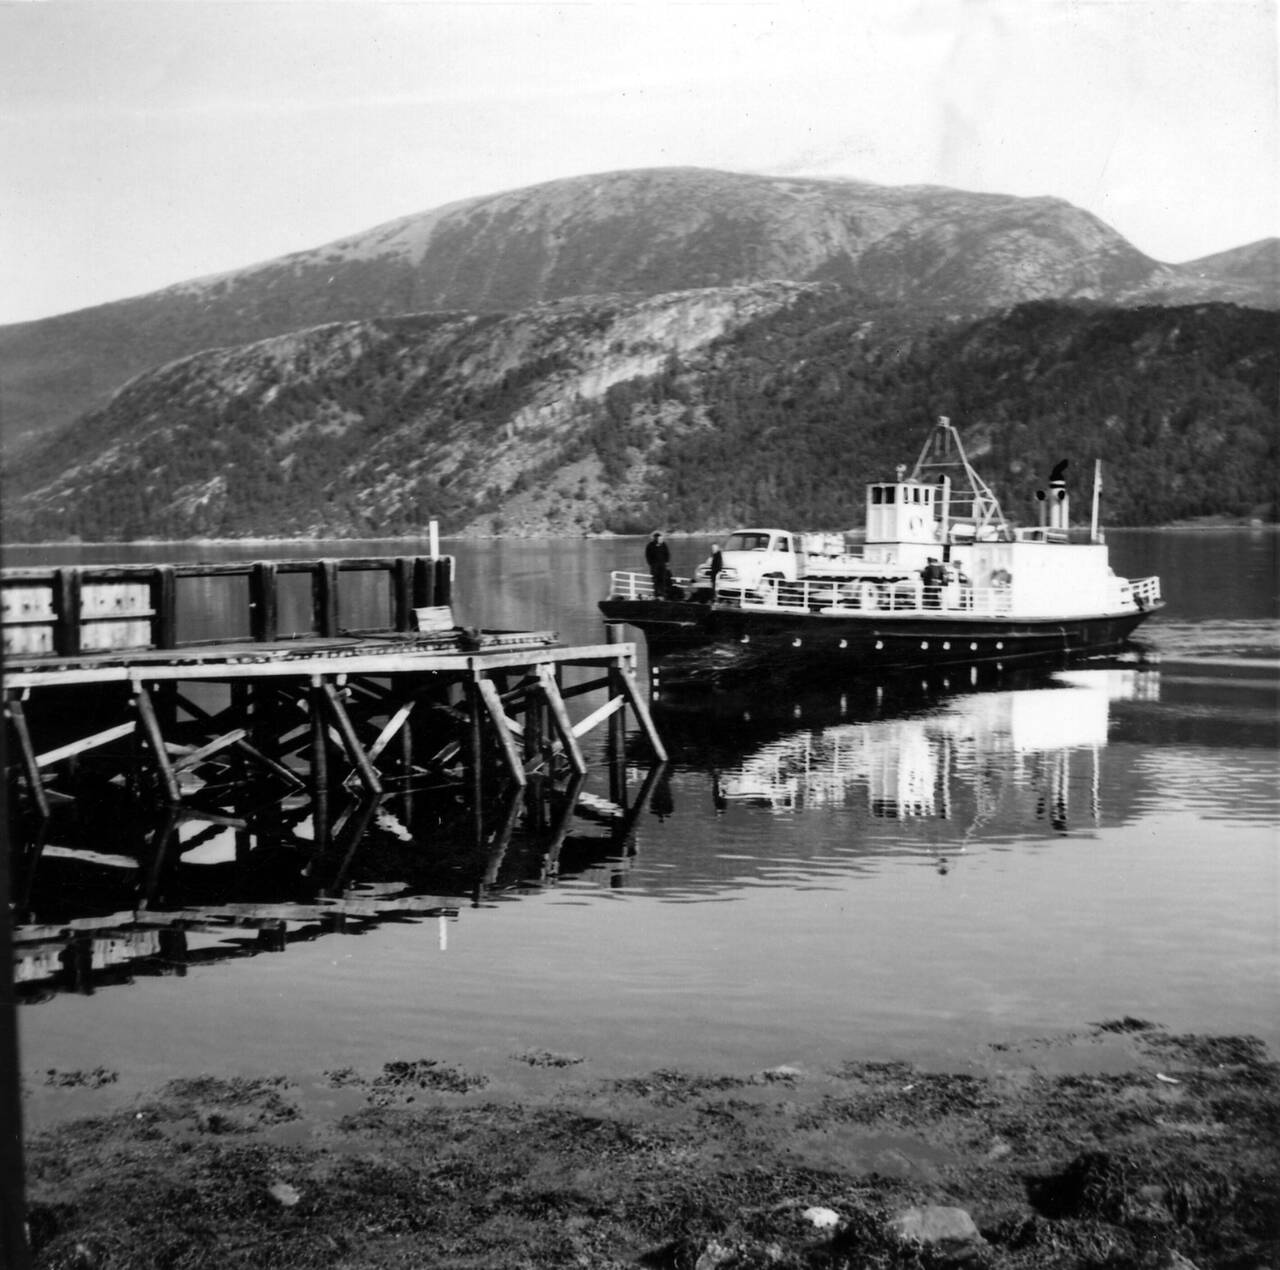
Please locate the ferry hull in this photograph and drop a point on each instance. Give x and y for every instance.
(696, 643)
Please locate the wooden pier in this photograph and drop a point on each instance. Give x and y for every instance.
(108, 680)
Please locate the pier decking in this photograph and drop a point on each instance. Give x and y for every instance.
(105, 672)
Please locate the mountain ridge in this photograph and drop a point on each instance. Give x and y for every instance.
(648, 231)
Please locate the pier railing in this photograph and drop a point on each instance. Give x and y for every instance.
(62, 612)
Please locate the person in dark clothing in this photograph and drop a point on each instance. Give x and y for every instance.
(717, 565)
(934, 577)
(657, 556)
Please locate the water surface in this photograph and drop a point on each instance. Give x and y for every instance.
(917, 869)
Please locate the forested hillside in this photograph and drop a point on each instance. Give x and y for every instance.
(1180, 404)
(695, 410)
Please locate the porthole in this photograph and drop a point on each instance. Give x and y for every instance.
(795, 643)
(844, 643)
(973, 646)
(924, 643)
(999, 643)
(879, 644)
(946, 643)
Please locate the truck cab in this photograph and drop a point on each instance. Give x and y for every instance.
(751, 555)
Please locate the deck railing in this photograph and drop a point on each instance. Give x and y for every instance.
(624, 585)
(821, 596)
(1141, 592)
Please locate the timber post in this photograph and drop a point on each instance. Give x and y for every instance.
(264, 603)
(402, 594)
(66, 607)
(324, 597)
(164, 607)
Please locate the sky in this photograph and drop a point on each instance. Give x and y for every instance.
(147, 142)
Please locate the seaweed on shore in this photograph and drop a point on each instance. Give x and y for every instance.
(687, 1171)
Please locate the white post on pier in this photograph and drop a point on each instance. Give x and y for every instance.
(433, 539)
(1097, 495)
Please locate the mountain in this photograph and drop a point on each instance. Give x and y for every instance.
(1249, 266)
(643, 232)
(691, 410)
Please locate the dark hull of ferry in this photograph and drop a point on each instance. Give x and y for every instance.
(693, 643)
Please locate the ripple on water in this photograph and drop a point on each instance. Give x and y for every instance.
(1237, 642)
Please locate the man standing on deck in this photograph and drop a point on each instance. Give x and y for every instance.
(658, 557)
(715, 568)
(934, 576)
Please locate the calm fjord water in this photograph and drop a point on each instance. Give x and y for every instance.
(919, 871)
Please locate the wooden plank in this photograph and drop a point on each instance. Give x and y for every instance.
(581, 690)
(393, 725)
(584, 726)
(32, 602)
(18, 717)
(351, 742)
(641, 710)
(398, 660)
(189, 758)
(493, 703)
(155, 738)
(270, 764)
(214, 818)
(560, 716)
(49, 757)
(106, 601)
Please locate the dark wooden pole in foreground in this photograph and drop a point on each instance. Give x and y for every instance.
(14, 1252)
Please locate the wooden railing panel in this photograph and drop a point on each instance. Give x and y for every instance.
(99, 608)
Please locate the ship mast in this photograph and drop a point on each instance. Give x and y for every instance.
(967, 499)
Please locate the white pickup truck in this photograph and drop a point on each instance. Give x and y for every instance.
(753, 559)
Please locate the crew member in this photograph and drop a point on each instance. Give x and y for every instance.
(658, 557)
(934, 576)
(717, 566)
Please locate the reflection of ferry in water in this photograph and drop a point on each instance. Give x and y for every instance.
(960, 760)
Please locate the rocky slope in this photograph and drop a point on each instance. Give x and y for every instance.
(693, 409)
(645, 232)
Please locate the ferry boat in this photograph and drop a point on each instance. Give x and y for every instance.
(940, 577)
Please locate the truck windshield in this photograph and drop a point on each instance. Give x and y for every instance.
(747, 542)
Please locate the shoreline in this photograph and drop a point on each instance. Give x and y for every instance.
(1184, 527)
(1122, 1145)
